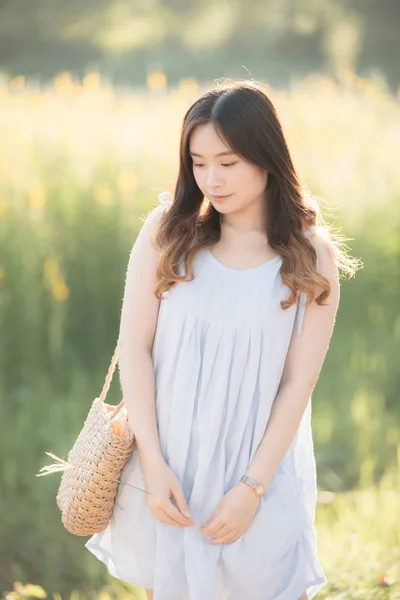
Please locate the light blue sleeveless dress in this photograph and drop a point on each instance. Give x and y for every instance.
(219, 351)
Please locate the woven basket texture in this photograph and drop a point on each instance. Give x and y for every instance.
(91, 475)
(86, 494)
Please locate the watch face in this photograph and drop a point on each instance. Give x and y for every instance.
(260, 490)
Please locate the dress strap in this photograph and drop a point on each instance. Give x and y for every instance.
(301, 307)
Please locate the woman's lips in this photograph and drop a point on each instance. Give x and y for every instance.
(220, 198)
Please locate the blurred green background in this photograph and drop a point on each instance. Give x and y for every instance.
(91, 101)
(125, 39)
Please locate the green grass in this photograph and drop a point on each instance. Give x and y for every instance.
(80, 165)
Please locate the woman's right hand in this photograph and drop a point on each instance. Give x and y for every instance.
(161, 481)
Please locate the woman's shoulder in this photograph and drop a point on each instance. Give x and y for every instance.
(164, 202)
(310, 230)
(154, 215)
(321, 240)
(165, 198)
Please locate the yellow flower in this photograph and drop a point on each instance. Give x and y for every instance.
(64, 85)
(156, 80)
(32, 591)
(37, 195)
(92, 82)
(127, 182)
(60, 290)
(17, 83)
(54, 278)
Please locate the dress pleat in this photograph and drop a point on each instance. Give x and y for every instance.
(219, 351)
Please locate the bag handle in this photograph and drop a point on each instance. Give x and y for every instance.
(108, 380)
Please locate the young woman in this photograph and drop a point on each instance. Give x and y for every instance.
(230, 301)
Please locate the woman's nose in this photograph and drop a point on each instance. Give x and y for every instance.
(214, 178)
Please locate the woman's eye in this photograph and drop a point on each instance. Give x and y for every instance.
(222, 164)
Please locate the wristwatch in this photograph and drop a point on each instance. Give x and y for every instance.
(258, 487)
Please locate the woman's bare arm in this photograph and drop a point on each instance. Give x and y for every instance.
(303, 365)
(137, 329)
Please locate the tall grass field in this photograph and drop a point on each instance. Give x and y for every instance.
(81, 165)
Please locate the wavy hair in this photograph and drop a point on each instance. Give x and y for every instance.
(245, 118)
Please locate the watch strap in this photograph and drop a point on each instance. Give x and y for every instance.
(249, 480)
(258, 487)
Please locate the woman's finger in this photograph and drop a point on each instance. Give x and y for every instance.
(215, 526)
(162, 517)
(175, 514)
(221, 531)
(225, 538)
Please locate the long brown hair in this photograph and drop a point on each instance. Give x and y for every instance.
(246, 119)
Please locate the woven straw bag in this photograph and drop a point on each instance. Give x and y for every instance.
(90, 479)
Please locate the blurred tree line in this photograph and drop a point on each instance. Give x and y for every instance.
(274, 39)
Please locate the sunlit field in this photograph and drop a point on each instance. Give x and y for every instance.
(81, 165)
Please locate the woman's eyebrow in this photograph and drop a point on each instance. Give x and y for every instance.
(226, 153)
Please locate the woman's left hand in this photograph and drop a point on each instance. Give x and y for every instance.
(232, 516)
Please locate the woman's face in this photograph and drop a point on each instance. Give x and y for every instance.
(224, 175)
